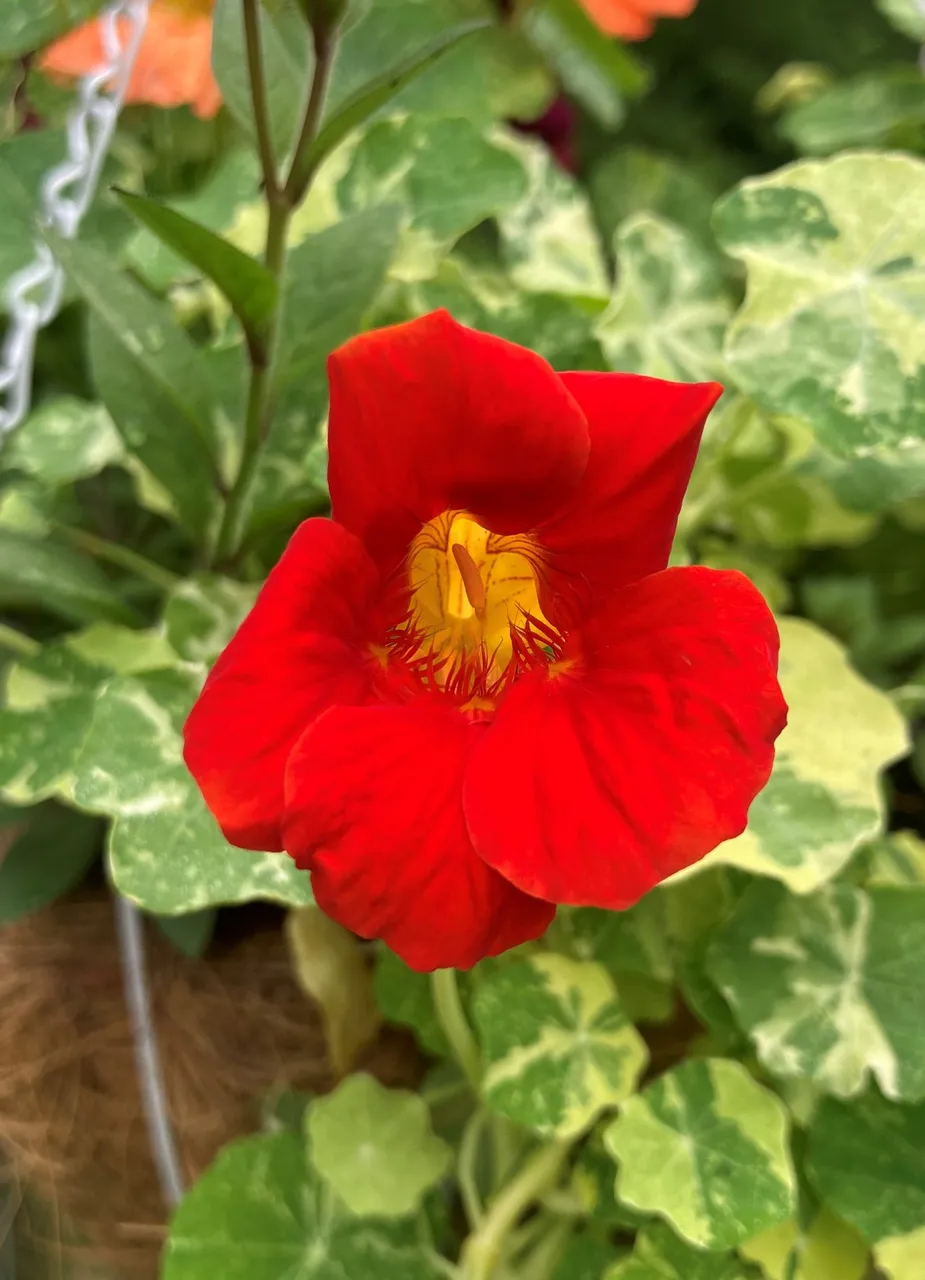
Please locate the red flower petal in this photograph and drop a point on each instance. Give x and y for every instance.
(595, 783)
(297, 653)
(374, 809)
(431, 416)
(619, 525)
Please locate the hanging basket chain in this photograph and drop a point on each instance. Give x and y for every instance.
(32, 296)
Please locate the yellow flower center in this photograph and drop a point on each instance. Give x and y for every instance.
(469, 587)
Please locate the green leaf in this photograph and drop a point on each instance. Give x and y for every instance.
(897, 859)
(49, 701)
(166, 852)
(585, 1258)
(375, 1147)
(287, 64)
(868, 110)
(202, 613)
(190, 933)
(548, 239)
(867, 1161)
(261, 1213)
(824, 799)
(660, 1255)
(248, 286)
(829, 331)
(27, 25)
(632, 941)
(828, 1249)
(669, 310)
(906, 16)
(597, 70)
(62, 440)
(827, 985)
(558, 1048)
(707, 1147)
(445, 173)
(333, 278)
(630, 180)
(36, 573)
(404, 996)
(151, 378)
(354, 109)
(46, 859)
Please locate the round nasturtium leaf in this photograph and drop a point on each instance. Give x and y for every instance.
(659, 1255)
(262, 1213)
(558, 1047)
(831, 330)
(902, 1257)
(828, 1249)
(866, 1159)
(203, 613)
(669, 309)
(375, 1146)
(823, 799)
(706, 1147)
(828, 986)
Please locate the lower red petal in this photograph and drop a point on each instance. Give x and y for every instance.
(298, 652)
(596, 782)
(374, 810)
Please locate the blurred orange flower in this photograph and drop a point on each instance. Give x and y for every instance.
(634, 19)
(174, 66)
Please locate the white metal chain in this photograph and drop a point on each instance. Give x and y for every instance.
(32, 296)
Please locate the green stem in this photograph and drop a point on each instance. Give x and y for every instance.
(103, 549)
(482, 1251)
(452, 1019)
(14, 640)
(466, 1167)
(282, 202)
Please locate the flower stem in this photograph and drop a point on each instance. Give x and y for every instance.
(17, 642)
(482, 1251)
(452, 1019)
(282, 201)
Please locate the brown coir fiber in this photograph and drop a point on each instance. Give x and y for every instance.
(233, 1028)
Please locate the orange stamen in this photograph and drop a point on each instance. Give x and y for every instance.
(471, 579)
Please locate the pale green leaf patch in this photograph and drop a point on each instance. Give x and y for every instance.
(823, 800)
(202, 614)
(62, 440)
(375, 1146)
(658, 1254)
(828, 986)
(828, 1249)
(902, 1257)
(706, 1147)
(669, 309)
(558, 1047)
(832, 330)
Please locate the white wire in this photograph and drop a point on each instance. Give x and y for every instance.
(32, 296)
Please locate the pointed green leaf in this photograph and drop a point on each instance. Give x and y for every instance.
(36, 573)
(827, 985)
(707, 1148)
(669, 310)
(381, 88)
(260, 1212)
(599, 71)
(151, 377)
(830, 331)
(558, 1048)
(191, 932)
(659, 1255)
(375, 1146)
(867, 1161)
(248, 286)
(824, 798)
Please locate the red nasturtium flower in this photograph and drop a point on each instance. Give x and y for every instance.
(634, 19)
(477, 692)
(174, 64)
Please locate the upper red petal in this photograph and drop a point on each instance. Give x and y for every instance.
(596, 783)
(298, 652)
(374, 809)
(430, 416)
(620, 524)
